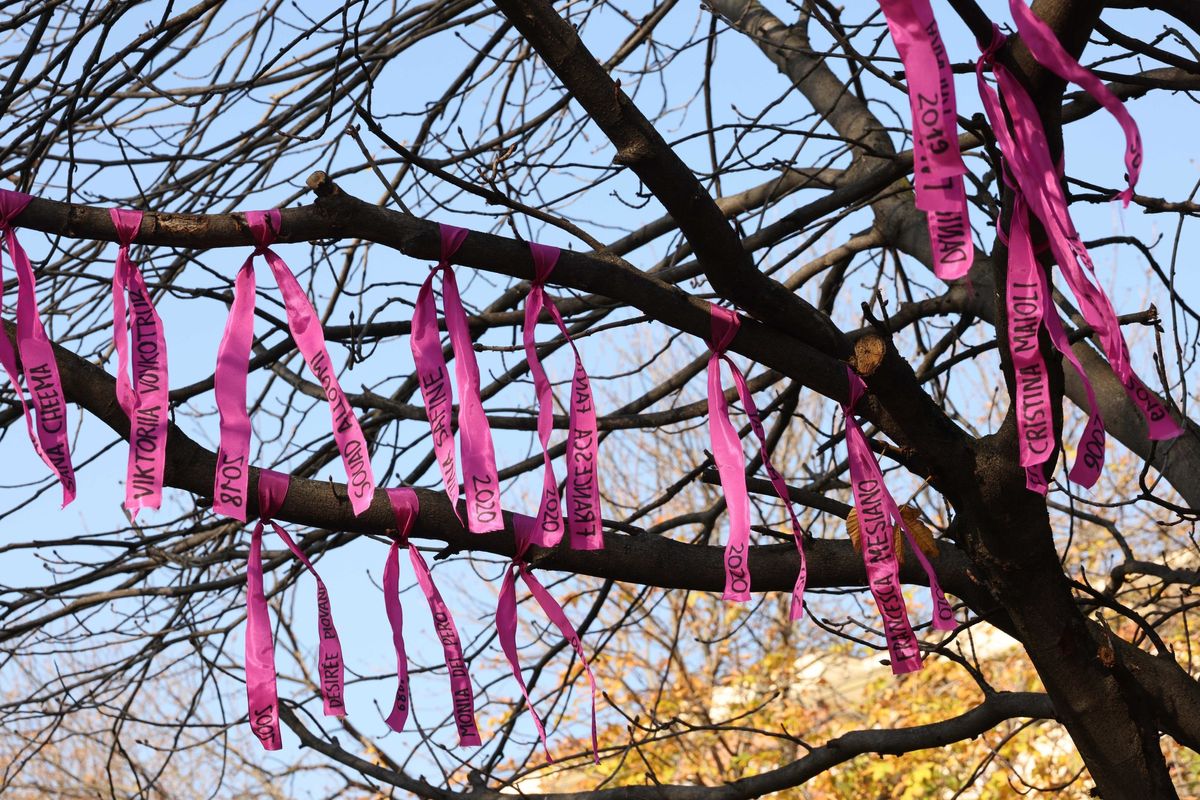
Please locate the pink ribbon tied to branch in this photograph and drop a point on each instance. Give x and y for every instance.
(260, 646)
(138, 337)
(233, 358)
(583, 493)
(48, 433)
(405, 508)
(938, 167)
(878, 515)
(506, 624)
(1036, 181)
(731, 466)
(478, 454)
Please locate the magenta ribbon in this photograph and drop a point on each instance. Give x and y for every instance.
(878, 515)
(938, 165)
(478, 454)
(583, 492)
(1037, 184)
(144, 399)
(48, 433)
(731, 466)
(1026, 307)
(405, 507)
(260, 645)
(506, 624)
(1049, 52)
(233, 358)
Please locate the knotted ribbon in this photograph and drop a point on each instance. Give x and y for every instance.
(506, 624)
(405, 507)
(878, 516)
(478, 454)
(233, 358)
(138, 328)
(38, 367)
(938, 167)
(260, 645)
(1036, 181)
(731, 466)
(583, 493)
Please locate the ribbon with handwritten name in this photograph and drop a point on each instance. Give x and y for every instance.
(731, 466)
(1037, 183)
(233, 358)
(506, 624)
(938, 167)
(1035, 419)
(405, 508)
(583, 493)
(138, 333)
(878, 515)
(260, 645)
(478, 454)
(1049, 52)
(47, 423)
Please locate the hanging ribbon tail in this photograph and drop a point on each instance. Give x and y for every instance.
(1050, 53)
(548, 530)
(38, 365)
(260, 645)
(306, 331)
(229, 384)
(8, 356)
(260, 652)
(583, 493)
(434, 380)
(1089, 455)
(876, 526)
(584, 520)
(405, 507)
(478, 453)
(943, 614)
(126, 397)
(555, 614)
(395, 614)
(329, 649)
(145, 401)
(1025, 304)
(730, 461)
(777, 482)
(461, 691)
(506, 631)
(938, 167)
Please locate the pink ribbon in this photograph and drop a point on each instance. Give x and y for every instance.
(506, 624)
(233, 357)
(583, 492)
(38, 367)
(478, 454)
(731, 466)
(1026, 305)
(405, 507)
(144, 400)
(1037, 182)
(1048, 52)
(938, 168)
(878, 515)
(260, 645)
